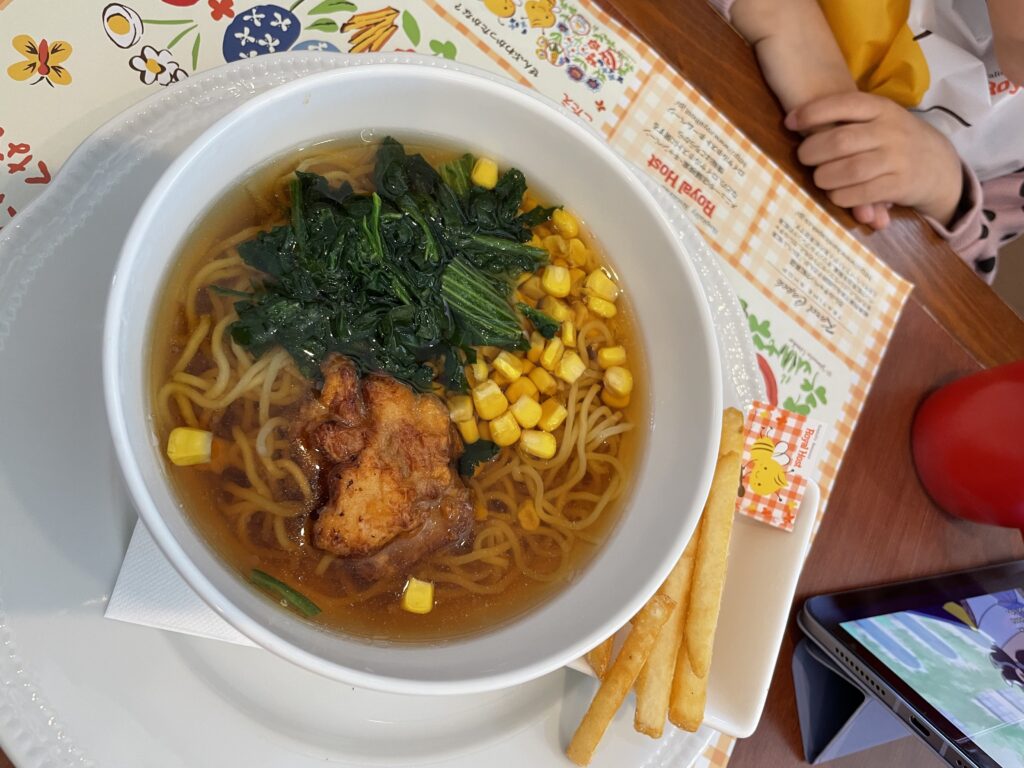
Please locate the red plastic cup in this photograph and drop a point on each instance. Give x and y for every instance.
(968, 444)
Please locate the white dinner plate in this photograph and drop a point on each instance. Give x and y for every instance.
(78, 690)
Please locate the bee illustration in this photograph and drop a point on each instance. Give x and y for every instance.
(765, 472)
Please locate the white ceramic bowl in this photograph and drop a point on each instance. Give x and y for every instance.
(467, 109)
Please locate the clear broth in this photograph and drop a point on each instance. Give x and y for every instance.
(456, 612)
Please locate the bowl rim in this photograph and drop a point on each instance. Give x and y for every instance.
(150, 513)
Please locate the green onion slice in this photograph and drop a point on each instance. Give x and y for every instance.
(297, 600)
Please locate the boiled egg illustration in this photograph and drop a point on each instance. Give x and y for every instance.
(122, 25)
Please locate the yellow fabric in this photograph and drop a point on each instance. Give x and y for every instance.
(879, 48)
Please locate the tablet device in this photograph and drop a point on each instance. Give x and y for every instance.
(945, 654)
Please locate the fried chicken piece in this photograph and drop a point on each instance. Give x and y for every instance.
(394, 497)
(337, 422)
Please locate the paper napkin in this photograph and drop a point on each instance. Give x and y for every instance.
(150, 592)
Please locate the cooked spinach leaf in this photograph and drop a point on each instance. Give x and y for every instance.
(475, 454)
(546, 325)
(413, 274)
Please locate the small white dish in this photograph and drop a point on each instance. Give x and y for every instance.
(461, 108)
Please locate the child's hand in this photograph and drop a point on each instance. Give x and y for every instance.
(869, 151)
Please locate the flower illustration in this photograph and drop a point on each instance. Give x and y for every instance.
(42, 61)
(269, 42)
(322, 45)
(122, 24)
(222, 9)
(282, 22)
(593, 83)
(254, 17)
(594, 45)
(156, 66)
(575, 72)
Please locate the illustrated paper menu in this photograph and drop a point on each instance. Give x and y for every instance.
(820, 307)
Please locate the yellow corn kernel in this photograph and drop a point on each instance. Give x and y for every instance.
(576, 278)
(523, 277)
(577, 252)
(489, 400)
(480, 511)
(480, 369)
(527, 515)
(526, 411)
(600, 285)
(555, 308)
(418, 596)
(535, 241)
(485, 431)
(552, 414)
(565, 223)
(500, 379)
(460, 408)
(508, 365)
(544, 381)
(532, 288)
(555, 245)
(612, 400)
(555, 281)
(527, 365)
(540, 444)
(570, 367)
(505, 429)
(537, 342)
(485, 173)
(580, 314)
(618, 380)
(469, 430)
(609, 356)
(518, 388)
(187, 446)
(529, 201)
(601, 307)
(489, 352)
(552, 353)
(569, 333)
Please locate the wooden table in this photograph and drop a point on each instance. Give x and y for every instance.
(880, 525)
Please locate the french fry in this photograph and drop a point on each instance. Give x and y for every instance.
(732, 432)
(376, 42)
(711, 562)
(689, 695)
(654, 685)
(619, 678)
(364, 35)
(369, 18)
(599, 656)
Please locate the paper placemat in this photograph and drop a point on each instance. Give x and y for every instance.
(821, 308)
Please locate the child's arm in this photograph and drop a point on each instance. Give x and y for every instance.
(797, 52)
(800, 60)
(993, 215)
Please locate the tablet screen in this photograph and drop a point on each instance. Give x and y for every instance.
(966, 659)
